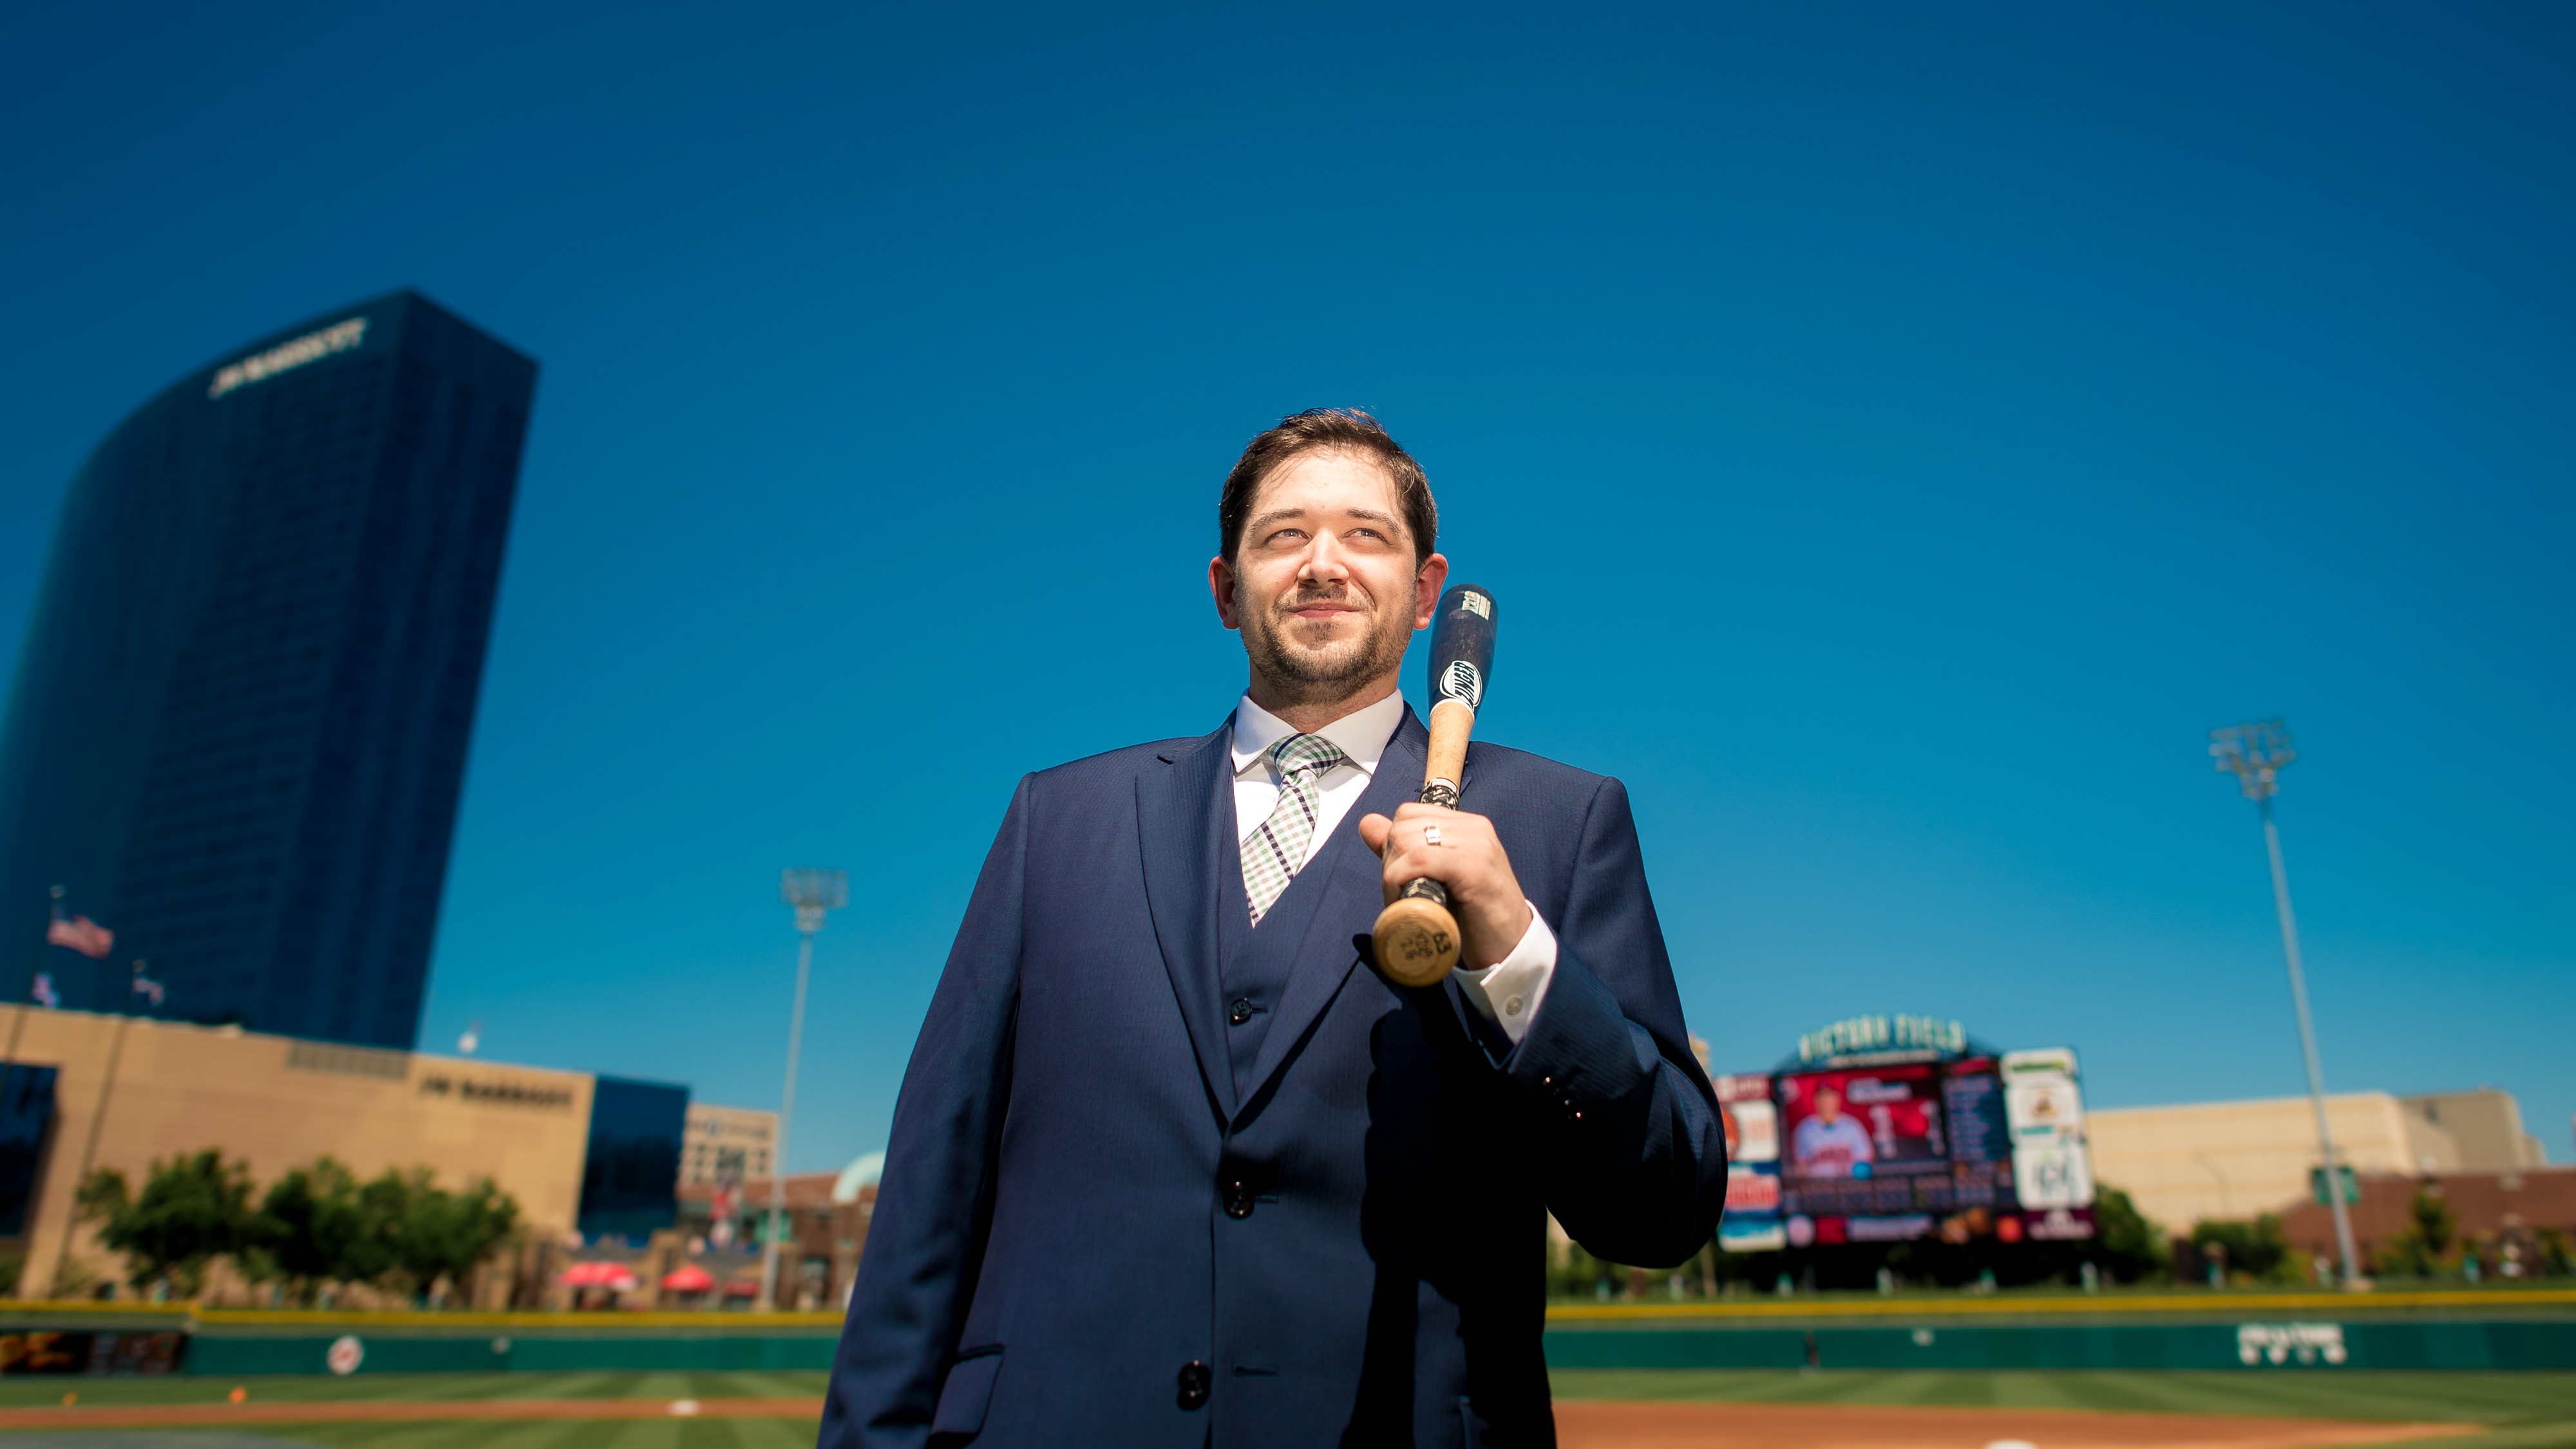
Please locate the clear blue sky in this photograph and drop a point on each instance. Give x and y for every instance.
(1896, 434)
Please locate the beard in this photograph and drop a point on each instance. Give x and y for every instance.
(1319, 674)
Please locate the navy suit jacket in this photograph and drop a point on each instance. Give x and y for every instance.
(1093, 1200)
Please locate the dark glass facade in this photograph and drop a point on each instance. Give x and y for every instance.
(630, 1181)
(26, 1118)
(238, 726)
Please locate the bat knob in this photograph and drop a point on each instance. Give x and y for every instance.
(1417, 941)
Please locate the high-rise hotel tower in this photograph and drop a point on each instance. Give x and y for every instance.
(238, 726)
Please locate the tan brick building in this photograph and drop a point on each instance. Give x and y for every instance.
(726, 1143)
(129, 1091)
(827, 1217)
(2236, 1160)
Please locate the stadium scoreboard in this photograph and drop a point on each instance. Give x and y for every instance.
(1891, 1129)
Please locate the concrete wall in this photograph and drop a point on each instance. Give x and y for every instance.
(278, 1103)
(2485, 1124)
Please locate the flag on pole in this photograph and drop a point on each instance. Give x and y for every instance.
(44, 993)
(81, 934)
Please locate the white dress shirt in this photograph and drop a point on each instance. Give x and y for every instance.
(1506, 993)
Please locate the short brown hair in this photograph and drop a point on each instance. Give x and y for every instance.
(1318, 430)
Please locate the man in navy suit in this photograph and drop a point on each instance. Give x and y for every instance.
(1173, 1165)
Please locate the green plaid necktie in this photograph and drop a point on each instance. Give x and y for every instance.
(1273, 853)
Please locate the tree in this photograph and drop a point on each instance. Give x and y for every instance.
(2258, 1250)
(307, 1229)
(2426, 1244)
(100, 1195)
(399, 1230)
(1582, 1275)
(2557, 1258)
(2133, 1247)
(444, 1234)
(192, 1210)
(383, 1201)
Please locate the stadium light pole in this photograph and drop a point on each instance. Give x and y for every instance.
(2255, 754)
(811, 892)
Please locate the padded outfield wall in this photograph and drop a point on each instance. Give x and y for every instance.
(2260, 1333)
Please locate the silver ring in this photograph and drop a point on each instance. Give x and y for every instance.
(1431, 835)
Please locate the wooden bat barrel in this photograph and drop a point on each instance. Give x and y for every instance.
(1417, 936)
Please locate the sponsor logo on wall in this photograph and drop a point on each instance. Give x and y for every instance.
(2282, 1343)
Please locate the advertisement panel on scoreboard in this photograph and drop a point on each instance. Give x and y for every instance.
(2052, 1167)
(1752, 1221)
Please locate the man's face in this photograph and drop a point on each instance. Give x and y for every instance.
(1829, 1104)
(1323, 583)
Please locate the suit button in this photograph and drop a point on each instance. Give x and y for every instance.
(1238, 1199)
(1194, 1384)
(1240, 1012)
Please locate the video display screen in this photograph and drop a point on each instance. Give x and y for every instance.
(1978, 1147)
(1863, 1123)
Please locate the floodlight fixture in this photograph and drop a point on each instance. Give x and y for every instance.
(812, 892)
(2255, 754)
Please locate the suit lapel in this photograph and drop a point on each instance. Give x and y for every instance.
(1178, 808)
(1351, 902)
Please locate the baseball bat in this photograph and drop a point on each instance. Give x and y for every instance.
(1417, 936)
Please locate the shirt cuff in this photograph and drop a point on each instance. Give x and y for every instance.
(1508, 992)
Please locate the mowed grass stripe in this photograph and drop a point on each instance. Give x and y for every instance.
(645, 1434)
(2453, 1397)
(2533, 1404)
(2560, 1435)
(33, 1391)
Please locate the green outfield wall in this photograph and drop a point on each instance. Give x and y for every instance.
(2308, 1345)
(2263, 1332)
(2259, 1333)
(235, 1355)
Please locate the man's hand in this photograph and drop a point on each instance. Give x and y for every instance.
(1484, 895)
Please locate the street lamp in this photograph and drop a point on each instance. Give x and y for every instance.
(811, 892)
(2256, 754)
(2226, 1199)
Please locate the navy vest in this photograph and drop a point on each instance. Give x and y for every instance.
(1253, 962)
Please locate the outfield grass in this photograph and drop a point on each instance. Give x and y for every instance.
(639, 1434)
(2526, 1410)
(2325, 1394)
(674, 1433)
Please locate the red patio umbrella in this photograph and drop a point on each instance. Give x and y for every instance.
(688, 1278)
(598, 1275)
